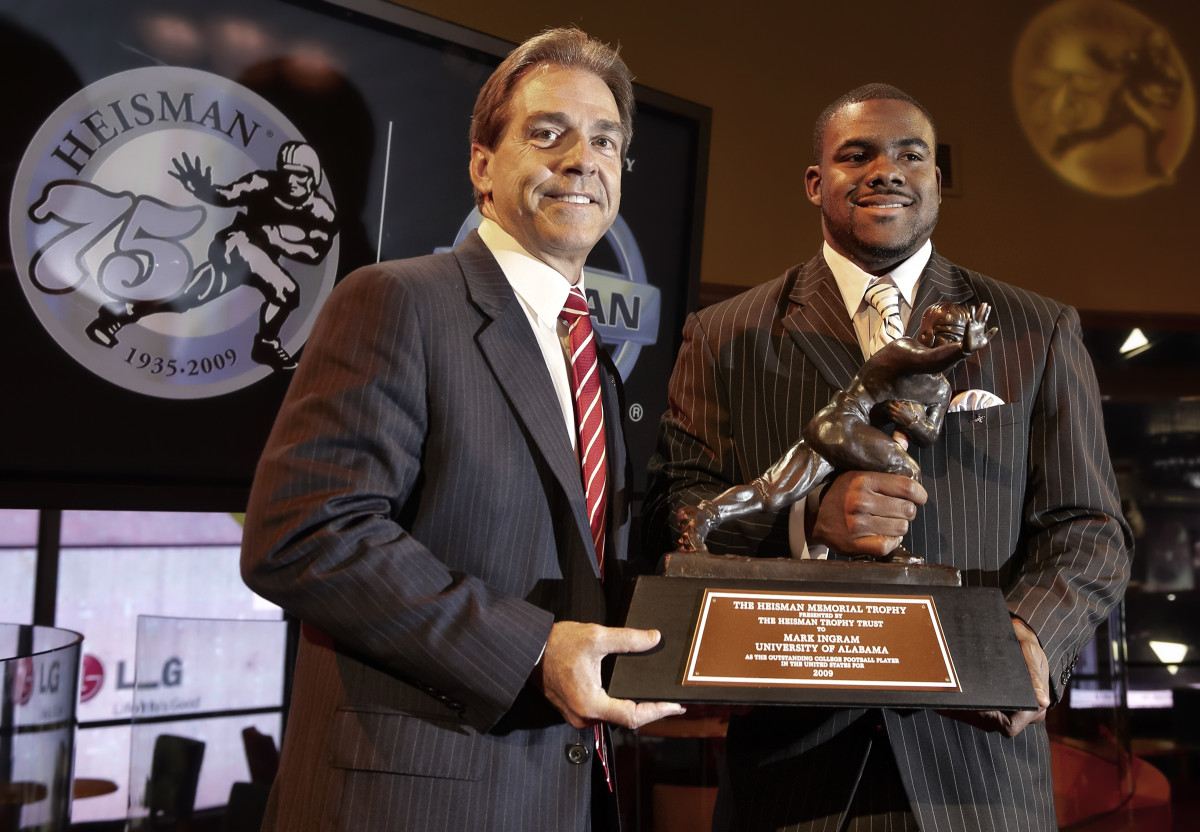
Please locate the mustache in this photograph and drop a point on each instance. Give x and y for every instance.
(889, 192)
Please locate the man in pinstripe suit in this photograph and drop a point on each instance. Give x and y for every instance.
(420, 506)
(1019, 496)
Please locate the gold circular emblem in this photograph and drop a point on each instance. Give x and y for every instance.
(1104, 96)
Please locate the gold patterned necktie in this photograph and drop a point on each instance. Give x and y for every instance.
(886, 299)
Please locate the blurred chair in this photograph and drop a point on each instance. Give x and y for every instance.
(248, 801)
(1101, 786)
(246, 808)
(262, 756)
(174, 775)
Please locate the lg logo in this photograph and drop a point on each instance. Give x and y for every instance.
(170, 677)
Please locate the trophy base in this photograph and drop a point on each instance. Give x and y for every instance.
(823, 642)
(707, 565)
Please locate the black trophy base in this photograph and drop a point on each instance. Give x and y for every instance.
(708, 565)
(986, 657)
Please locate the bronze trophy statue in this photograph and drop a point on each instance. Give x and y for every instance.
(869, 632)
(901, 385)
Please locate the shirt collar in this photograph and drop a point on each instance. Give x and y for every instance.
(542, 289)
(853, 281)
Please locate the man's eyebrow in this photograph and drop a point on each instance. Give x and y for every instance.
(606, 126)
(555, 117)
(909, 141)
(560, 119)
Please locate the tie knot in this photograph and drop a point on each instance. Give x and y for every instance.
(885, 298)
(575, 306)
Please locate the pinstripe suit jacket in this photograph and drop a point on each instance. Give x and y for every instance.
(419, 506)
(1021, 497)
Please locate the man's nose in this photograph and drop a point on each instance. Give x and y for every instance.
(885, 171)
(579, 157)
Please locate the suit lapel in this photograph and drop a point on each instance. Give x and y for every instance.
(511, 350)
(940, 282)
(614, 439)
(818, 324)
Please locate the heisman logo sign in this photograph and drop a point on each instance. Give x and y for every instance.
(174, 233)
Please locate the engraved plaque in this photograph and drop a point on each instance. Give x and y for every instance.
(829, 640)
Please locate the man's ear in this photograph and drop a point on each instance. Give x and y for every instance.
(812, 184)
(937, 172)
(481, 161)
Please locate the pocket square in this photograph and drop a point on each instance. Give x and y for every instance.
(974, 400)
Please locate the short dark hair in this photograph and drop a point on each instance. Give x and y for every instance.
(867, 92)
(570, 48)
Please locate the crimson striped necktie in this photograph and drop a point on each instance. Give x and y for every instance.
(589, 423)
(589, 414)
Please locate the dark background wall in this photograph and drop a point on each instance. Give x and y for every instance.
(768, 67)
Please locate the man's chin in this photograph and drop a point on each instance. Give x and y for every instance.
(573, 238)
(889, 249)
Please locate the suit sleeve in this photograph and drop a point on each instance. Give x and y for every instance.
(326, 532)
(1078, 545)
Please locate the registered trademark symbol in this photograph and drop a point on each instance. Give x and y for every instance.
(635, 413)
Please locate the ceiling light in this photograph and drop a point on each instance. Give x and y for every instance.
(1137, 342)
(1169, 652)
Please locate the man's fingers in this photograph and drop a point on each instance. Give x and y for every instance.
(1035, 661)
(633, 715)
(1012, 723)
(875, 546)
(627, 640)
(895, 485)
(863, 526)
(866, 513)
(570, 674)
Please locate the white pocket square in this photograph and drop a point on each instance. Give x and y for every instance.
(974, 400)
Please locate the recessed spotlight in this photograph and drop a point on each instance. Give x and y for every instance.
(1137, 342)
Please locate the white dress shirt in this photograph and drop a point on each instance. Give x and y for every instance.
(543, 293)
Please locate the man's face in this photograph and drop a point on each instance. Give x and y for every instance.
(877, 183)
(553, 181)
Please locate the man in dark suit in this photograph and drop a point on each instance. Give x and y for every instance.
(1018, 495)
(421, 507)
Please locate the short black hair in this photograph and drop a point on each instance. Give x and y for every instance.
(867, 92)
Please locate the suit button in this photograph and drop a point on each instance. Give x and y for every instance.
(577, 754)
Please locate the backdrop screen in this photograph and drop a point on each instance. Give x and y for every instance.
(187, 181)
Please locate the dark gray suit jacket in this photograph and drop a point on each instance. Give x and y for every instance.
(1021, 497)
(419, 507)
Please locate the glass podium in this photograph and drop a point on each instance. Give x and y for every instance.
(37, 725)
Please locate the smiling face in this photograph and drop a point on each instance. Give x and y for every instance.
(553, 181)
(877, 183)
